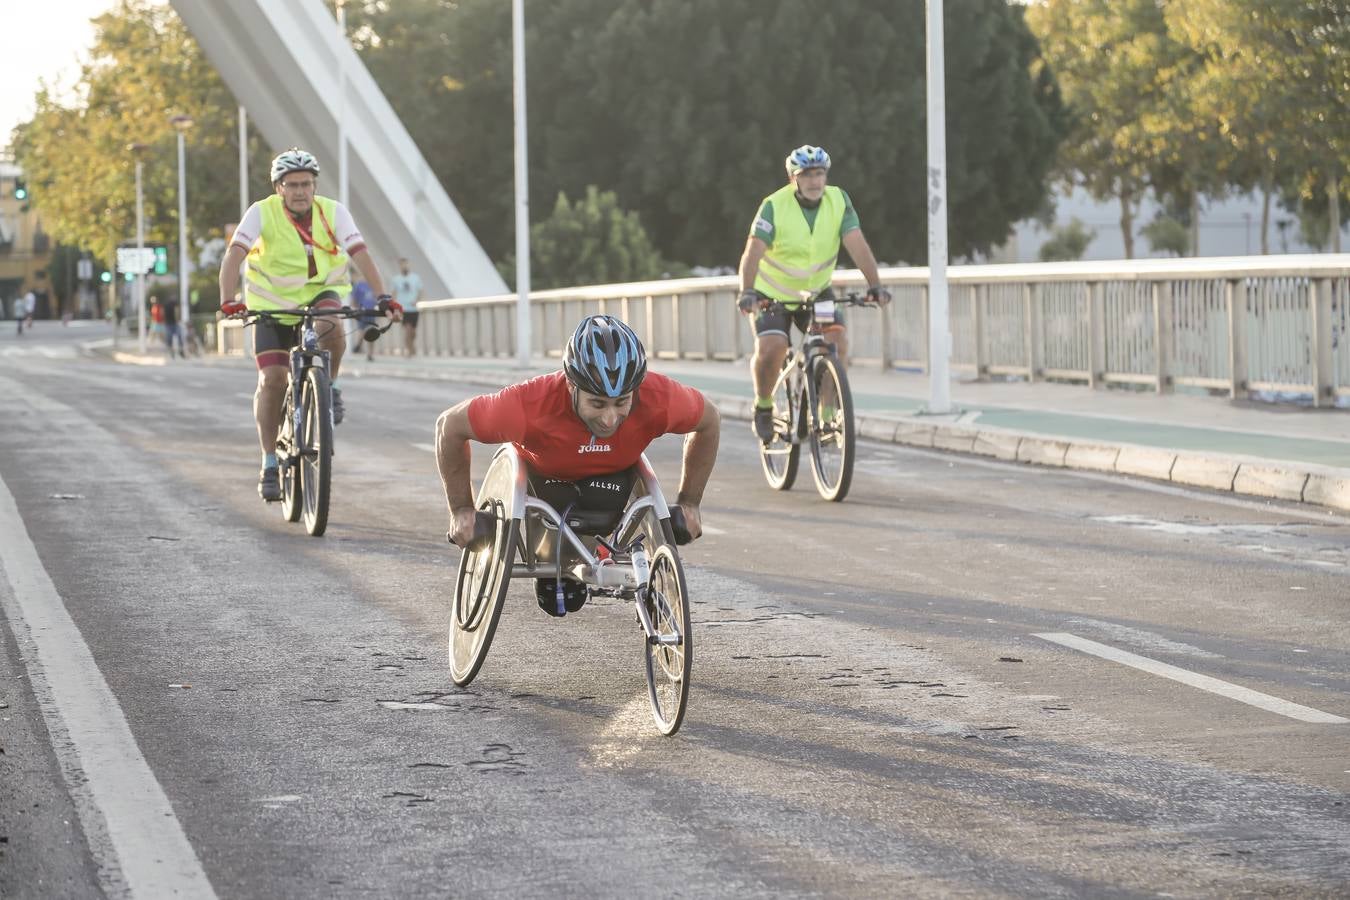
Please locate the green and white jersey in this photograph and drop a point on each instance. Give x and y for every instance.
(763, 229)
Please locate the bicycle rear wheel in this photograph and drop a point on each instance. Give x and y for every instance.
(668, 665)
(833, 445)
(780, 456)
(316, 449)
(480, 589)
(288, 461)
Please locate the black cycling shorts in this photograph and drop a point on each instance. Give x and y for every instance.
(597, 502)
(272, 341)
(778, 318)
(410, 318)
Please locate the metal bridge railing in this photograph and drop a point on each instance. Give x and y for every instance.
(1274, 324)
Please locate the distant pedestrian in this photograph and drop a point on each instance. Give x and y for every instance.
(172, 329)
(20, 312)
(408, 291)
(29, 307)
(363, 297)
(156, 318)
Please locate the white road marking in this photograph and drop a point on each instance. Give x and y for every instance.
(711, 529)
(1194, 679)
(151, 850)
(430, 448)
(1146, 640)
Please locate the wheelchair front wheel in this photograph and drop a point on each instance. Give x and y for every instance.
(480, 591)
(668, 664)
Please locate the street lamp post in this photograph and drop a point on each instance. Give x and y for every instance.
(342, 107)
(243, 162)
(138, 150)
(939, 326)
(522, 190)
(182, 124)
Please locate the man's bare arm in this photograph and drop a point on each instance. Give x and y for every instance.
(229, 271)
(749, 269)
(366, 263)
(453, 433)
(700, 453)
(861, 254)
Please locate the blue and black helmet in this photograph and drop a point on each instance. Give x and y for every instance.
(604, 357)
(807, 157)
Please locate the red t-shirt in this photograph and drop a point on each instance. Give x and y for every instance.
(537, 417)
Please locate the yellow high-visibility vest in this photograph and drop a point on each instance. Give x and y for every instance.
(801, 258)
(276, 269)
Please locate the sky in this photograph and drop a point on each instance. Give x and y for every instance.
(45, 40)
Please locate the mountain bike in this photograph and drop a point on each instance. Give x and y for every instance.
(305, 434)
(812, 405)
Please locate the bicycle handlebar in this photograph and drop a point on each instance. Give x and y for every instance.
(343, 312)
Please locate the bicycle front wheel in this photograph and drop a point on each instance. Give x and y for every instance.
(288, 462)
(670, 654)
(779, 457)
(833, 445)
(316, 449)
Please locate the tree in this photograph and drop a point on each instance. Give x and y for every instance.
(1166, 234)
(1068, 241)
(593, 241)
(143, 68)
(692, 154)
(1280, 76)
(754, 80)
(1105, 55)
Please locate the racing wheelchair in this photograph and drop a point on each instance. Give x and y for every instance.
(519, 535)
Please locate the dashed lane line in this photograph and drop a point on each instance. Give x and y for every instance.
(1195, 679)
(151, 850)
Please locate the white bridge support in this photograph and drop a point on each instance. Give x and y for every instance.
(281, 61)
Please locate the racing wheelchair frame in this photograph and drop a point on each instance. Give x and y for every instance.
(519, 535)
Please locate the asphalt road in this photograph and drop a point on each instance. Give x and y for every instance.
(875, 707)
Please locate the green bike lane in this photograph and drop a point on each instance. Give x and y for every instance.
(874, 396)
(1271, 450)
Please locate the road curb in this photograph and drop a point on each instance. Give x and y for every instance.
(1325, 486)
(1230, 473)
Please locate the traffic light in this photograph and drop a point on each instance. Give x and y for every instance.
(106, 277)
(20, 189)
(161, 260)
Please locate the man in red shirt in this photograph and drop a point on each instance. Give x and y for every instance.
(580, 432)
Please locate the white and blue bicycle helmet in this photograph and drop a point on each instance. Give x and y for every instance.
(807, 157)
(293, 160)
(604, 357)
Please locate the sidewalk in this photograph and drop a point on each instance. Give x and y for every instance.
(1262, 450)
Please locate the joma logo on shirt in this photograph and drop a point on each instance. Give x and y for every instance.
(593, 448)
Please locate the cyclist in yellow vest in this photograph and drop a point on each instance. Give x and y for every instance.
(299, 247)
(793, 246)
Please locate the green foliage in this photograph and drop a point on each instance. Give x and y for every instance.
(685, 108)
(1068, 241)
(592, 241)
(1167, 235)
(144, 68)
(1190, 98)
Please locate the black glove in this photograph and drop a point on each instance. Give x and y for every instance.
(878, 295)
(750, 301)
